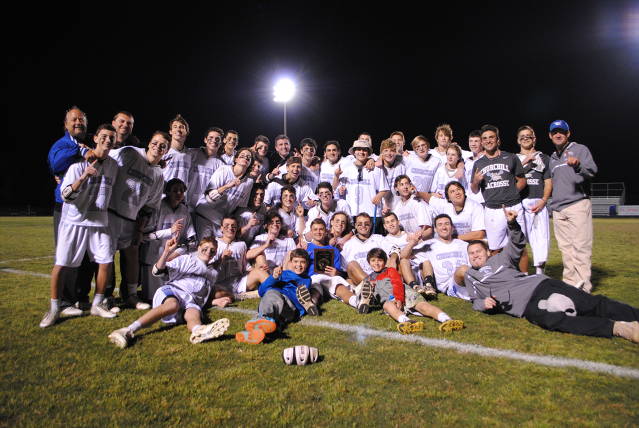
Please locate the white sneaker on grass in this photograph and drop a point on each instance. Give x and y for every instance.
(134, 302)
(49, 319)
(101, 311)
(71, 311)
(209, 331)
(121, 337)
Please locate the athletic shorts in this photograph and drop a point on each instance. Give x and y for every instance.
(74, 241)
(121, 231)
(184, 299)
(384, 293)
(329, 283)
(497, 226)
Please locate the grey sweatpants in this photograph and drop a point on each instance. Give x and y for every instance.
(277, 306)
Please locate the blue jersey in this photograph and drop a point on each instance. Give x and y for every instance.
(310, 248)
(287, 285)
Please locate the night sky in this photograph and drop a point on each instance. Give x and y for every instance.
(358, 68)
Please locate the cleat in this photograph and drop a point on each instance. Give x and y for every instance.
(101, 311)
(121, 337)
(451, 325)
(109, 303)
(83, 305)
(252, 337)
(304, 297)
(410, 326)
(49, 319)
(427, 290)
(71, 311)
(266, 324)
(135, 303)
(209, 331)
(365, 297)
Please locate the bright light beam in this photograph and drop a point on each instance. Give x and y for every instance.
(284, 90)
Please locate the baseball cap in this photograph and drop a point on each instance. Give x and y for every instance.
(559, 124)
(361, 143)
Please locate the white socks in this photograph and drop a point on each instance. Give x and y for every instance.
(403, 318)
(55, 305)
(135, 326)
(352, 301)
(443, 317)
(97, 299)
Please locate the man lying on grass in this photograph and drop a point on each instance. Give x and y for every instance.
(496, 285)
(394, 296)
(189, 284)
(285, 297)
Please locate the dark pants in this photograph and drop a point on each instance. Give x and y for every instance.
(277, 306)
(594, 315)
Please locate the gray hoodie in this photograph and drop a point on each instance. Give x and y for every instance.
(500, 279)
(569, 185)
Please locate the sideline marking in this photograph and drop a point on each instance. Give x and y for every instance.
(362, 332)
(469, 348)
(25, 260)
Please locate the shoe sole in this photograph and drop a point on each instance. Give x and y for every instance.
(304, 297)
(118, 340)
(267, 326)
(252, 337)
(365, 297)
(410, 327)
(451, 325)
(212, 331)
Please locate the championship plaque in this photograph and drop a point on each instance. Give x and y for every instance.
(323, 257)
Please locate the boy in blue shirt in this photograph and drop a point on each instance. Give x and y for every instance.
(285, 297)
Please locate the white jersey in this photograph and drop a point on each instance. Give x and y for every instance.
(389, 174)
(227, 159)
(468, 166)
(437, 154)
(191, 275)
(138, 184)
(289, 220)
(395, 243)
(470, 219)
(302, 190)
(413, 214)
(162, 230)
(349, 160)
(277, 251)
(421, 173)
(178, 165)
(327, 170)
(229, 200)
(445, 258)
(443, 176)
(90, 204)
(356, 250)
(202, 168)
(318, 212)
(244, 215)
(361, 187)
(234, 267)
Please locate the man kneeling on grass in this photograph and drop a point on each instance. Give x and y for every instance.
(496, 285)
(189, 284)
(394, 296)
(285, 297)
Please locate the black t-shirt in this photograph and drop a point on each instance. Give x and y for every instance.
(498, 186)
(536, 172)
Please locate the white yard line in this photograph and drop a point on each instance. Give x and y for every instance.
(362, 332)
(25, 260)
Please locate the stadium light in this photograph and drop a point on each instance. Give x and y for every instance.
(283, 92)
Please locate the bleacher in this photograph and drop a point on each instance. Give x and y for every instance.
(607, 195)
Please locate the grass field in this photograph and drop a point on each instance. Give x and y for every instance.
(70, 375)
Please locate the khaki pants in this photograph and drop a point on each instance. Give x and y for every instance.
(573, 230)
